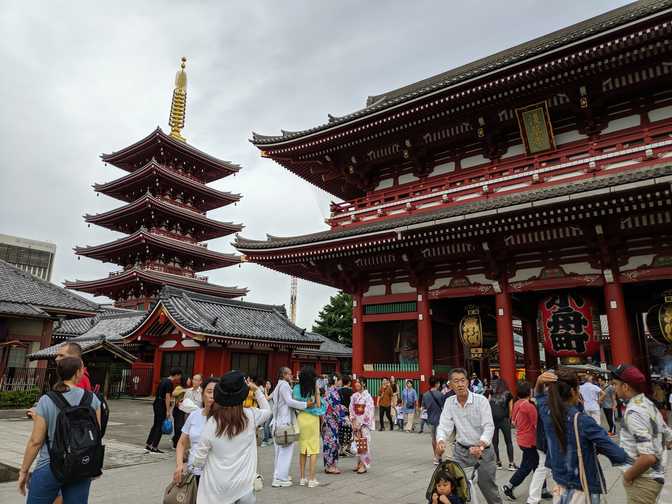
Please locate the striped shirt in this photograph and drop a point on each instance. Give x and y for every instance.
(645, 432)
(472, 422)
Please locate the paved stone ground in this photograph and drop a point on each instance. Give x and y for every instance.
(399, 474)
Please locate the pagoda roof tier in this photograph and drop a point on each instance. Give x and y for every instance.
(332, 239)
(564, 37)
(144, 242)
(113, 285)
(149, 209)
(163, 147)
(129, 187)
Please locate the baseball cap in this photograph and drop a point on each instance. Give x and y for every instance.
(629, 374)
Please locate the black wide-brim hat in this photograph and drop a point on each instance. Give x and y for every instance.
(232, 389)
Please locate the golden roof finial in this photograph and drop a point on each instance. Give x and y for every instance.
(179, 104)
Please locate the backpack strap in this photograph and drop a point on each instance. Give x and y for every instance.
(87, 399)
(58, 399)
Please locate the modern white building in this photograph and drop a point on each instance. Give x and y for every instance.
(35, 257)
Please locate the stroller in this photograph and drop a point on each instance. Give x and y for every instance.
(466, 489)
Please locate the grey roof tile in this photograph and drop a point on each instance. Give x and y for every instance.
(20, 287)
(224, 318)
(328, 348)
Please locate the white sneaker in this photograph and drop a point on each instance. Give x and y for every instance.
(280, 483)
(303, 482)
(313, 483)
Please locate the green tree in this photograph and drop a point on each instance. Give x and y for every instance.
(335, 319)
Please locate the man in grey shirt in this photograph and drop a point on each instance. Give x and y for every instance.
(470, 416)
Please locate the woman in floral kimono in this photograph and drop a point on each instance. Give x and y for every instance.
(333, 420)
(361, 417)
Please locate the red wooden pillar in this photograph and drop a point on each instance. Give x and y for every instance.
(531, 349)
(318, 367)
(357, 334)
(620, 335)
(425, 353)
(199, 359)
(507, 355)
(156, 374)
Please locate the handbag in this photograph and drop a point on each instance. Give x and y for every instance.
(167, 426)
(284, 435)
(578, 496)
(362, 445)
(183, 492)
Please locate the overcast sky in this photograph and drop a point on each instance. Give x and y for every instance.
(82, 78)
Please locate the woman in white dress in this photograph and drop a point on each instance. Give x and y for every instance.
(227, 450)
(192, 430)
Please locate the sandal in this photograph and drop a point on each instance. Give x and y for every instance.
(333, 470)
(360, 471)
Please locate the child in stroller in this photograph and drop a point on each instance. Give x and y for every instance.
(448, 485)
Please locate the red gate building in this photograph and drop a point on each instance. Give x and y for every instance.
(532, 185)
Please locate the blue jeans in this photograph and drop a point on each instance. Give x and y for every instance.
(43, 488)
(268, 435)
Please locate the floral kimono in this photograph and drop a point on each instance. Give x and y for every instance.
(361, 416)
(333, 420)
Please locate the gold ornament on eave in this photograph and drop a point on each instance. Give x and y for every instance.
(178, 106)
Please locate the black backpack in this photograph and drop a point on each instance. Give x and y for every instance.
(104, 410)
(76, 451)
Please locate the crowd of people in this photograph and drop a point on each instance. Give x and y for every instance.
(217, 425)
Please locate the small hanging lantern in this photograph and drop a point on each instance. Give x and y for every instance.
(471, 328)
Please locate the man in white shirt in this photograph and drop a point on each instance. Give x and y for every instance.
(283, 403)
(592, 397)
(470, 416)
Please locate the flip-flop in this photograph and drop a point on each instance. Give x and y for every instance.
(362, 472)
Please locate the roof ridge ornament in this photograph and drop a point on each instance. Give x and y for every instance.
(178, 105)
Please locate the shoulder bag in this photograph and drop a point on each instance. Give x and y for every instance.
(284, 435)
(183, 492)
(578, 496)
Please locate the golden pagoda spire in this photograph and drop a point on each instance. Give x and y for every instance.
(179, 103)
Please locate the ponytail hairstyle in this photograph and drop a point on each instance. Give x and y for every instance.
(559, 394)
(67, 369)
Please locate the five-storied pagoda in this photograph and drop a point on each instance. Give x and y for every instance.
(529, 189)
(164, 218)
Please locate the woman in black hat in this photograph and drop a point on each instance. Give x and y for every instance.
(228, 446)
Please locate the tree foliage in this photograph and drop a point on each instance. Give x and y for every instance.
(335, 319)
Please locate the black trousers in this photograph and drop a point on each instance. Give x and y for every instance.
(527, 466)
(504, 425)
(178, 422)
(608, 412)
(387, 411)
(155, 433)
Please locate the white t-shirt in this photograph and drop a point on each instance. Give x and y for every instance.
(230, 464)
(590, 393)
(193, 427)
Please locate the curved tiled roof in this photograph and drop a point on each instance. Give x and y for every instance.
(464, 209)
(503, 59)
(328, 348)
(19, 289)
(226, 318)
(78, 327)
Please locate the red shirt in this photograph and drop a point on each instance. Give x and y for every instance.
(84, 382)
(524, 416)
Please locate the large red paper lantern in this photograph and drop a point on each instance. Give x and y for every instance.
(568, 322)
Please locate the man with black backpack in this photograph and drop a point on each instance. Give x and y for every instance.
(66, 435)
(432, 402)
